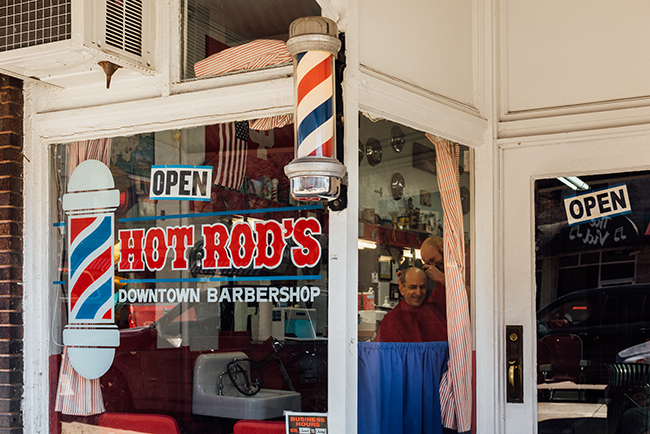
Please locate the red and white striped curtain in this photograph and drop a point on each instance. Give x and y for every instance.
(76, 395)
(260, 53)
(265, 124)
(456, 385)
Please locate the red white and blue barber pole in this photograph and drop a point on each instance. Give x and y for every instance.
(315, 173)
(91, 334)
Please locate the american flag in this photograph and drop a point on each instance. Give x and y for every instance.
(229, 141)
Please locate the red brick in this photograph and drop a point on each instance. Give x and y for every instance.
(11, 347)
(11, 288)
(14, 124)
(11, 153)
(11, 228)
(11, 198)
(11, 183)
(11, 243)
(11, 108)
(10, 303)
(11, 258)
(11, 332)
(11, 168)
(11, 213)
(13, 273)
(6, 80)
(10, 318)
(11, 94)
(7, 138)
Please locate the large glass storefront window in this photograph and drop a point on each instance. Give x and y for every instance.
(212, 29)
(414, 222)
(182, 253)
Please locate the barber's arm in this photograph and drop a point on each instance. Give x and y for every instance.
(434, 274)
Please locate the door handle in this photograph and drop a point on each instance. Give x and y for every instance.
(514, 358)
(512, 368)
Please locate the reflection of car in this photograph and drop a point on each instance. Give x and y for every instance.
(581, 332)
(153, 367)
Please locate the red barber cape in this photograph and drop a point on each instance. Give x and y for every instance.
(415, 324)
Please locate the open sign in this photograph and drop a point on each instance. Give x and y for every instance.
(176, 182)
(597, 204)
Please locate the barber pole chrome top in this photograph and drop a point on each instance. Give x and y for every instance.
(313, 33)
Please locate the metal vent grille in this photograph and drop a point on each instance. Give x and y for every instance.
(24, 23)
(124, 25)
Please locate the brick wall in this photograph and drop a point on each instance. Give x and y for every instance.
(11, 255)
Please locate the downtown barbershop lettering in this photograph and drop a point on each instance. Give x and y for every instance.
(260, 244)
(248, 294)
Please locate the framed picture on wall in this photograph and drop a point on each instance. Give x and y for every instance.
(424, 158)
(394, 291)
(385, 270)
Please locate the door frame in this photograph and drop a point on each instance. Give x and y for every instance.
(521, 164)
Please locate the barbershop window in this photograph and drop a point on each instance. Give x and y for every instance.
(212, 29)
(181, 254)
(413, 188)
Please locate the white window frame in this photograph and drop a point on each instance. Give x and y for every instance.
(52, 117)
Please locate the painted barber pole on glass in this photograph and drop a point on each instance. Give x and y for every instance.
(91, 336)
(91, 269)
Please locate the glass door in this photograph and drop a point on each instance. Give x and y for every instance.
(577, 279)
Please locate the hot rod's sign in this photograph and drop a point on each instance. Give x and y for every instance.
(260, 244)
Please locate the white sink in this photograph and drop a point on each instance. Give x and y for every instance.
(266, 404)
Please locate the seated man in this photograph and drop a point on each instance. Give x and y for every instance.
(414, 319)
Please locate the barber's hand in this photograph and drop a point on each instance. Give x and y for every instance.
(434, 274)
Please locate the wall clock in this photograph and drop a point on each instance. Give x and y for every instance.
(397, 138)
(397, 186)
(373, 151)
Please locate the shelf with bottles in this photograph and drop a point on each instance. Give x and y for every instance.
(393, 237)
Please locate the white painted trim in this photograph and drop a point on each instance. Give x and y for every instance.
(36, 280)
(169, 65)
(620, 114)
(388, 98)
(485, 301)
(489, 344)
(226, 104)
(329, 11)
(501, 57)
(344, 259)
(614, 133)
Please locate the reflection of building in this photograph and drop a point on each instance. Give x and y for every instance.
(595, 254)
(531, 90)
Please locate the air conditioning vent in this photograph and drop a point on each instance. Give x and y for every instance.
(62, 41)
(25, 23)
(124, 25)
